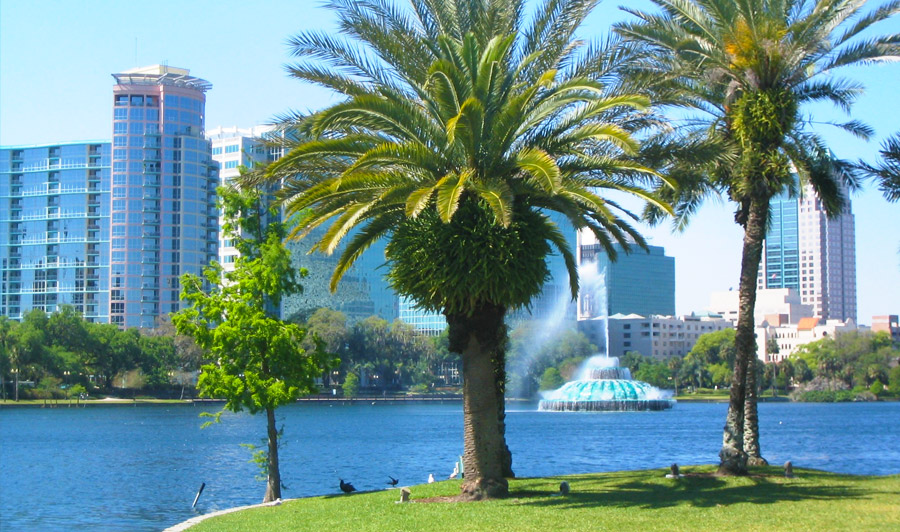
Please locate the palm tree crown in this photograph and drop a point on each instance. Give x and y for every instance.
(751, 66)
(471, 108)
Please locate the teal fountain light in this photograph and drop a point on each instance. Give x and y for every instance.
(603, 386)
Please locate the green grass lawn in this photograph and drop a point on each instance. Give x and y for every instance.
(631, 500)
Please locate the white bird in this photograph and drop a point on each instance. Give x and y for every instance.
(431, 478)
(455, 470)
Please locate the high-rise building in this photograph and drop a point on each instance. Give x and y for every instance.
(164, 221)
(363, 291)
(815, 255)
(234, 148)
(639, 282)
(54, 228)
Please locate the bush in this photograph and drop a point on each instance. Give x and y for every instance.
(876, 388)
(823, 396)
(551, 379)
(351, 385)
(419, 389)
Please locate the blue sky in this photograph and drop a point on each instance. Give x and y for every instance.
(56, 58)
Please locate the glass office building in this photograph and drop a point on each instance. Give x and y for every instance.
(362, 292)
(163, 221)
(640, 282)
(54, 228)
(781, 256)
(812, 253)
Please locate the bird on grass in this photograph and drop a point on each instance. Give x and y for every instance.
(393, 481)
(347, 487)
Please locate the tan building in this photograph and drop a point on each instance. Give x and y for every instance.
(889, 324)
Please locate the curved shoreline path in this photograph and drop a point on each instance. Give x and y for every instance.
(184, 525)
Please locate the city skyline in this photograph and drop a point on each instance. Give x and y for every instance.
(241, 50)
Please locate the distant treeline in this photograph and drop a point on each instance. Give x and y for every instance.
(49, 354)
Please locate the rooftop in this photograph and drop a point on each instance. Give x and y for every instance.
(162, 75)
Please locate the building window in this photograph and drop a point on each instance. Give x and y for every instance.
(230, 164)
(233, 148)
(217, 150)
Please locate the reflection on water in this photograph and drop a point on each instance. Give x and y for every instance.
(138, 468)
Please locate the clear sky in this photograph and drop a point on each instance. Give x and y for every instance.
(56, 57)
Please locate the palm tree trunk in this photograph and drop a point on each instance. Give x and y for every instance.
(751, 419)
(733, 457)
(480, 339)
(273, 480)
(499, 359)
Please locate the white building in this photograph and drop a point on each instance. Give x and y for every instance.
(660, 337)
(769, 302)
(791, 336)
(233, 148)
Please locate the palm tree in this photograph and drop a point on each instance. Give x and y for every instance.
(749, 66)
(463, 125)
(887, 171)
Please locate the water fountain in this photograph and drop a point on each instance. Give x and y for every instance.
(602, 386)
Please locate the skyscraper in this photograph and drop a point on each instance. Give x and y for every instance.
(54, 222)
(233, 148)
(640, 282)
(163, 217)
(813, 254)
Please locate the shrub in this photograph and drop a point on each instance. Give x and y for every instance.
(351, 385)
(876, 388)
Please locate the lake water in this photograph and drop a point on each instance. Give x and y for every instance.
(138, 468)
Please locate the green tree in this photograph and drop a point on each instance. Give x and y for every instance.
(551, 379)
(895, 380)
(258, 364)
(105, 356)
(462, 124)
(749, 67)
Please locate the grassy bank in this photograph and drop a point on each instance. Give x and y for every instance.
(631, 500)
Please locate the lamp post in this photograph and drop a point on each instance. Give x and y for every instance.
(16, 373)
(66, 379)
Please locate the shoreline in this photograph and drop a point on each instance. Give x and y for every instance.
(373, 400)
(112, 401)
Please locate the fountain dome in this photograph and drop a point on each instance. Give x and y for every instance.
(601, 385)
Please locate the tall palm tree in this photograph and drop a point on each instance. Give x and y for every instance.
(462, 126)
(749, 66)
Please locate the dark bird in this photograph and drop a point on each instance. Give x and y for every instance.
(393, 481)
(347, 487)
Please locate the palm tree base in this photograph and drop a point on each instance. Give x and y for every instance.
(484, 488)
(733, 462)
(756, 461)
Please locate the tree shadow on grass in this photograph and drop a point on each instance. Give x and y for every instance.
(653, 491)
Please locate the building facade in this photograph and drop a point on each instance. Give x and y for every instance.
(790, 337)
(233, 148)
(54, 228)
(163, 219)
(660, 337)
(639, 282)
(889, 324)
(815, 255)
(783, 302)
